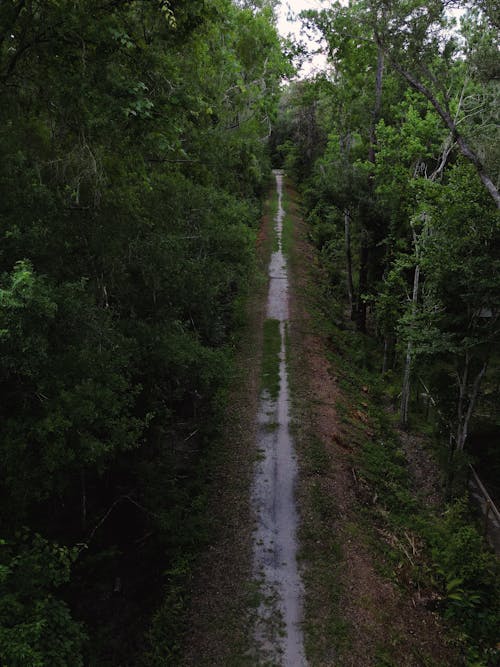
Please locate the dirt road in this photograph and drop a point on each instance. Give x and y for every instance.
(278, 630)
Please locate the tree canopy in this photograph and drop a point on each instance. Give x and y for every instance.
(133, 137)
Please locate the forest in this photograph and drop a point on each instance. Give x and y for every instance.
(397, 154)
(133, 139)
(137, 141)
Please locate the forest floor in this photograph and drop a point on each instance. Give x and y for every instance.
(355, 613)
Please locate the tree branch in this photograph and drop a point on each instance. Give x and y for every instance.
(445, 115)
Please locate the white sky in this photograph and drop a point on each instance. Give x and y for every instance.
(285, 27)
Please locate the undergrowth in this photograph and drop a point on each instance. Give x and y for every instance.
(437, 552)
(166, 641)
(287, 233)
(326, 631)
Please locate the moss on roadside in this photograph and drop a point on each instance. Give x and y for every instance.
(270, 378)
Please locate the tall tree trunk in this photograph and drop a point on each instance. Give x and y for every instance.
(406, 388)
(348, 259)
(378, 103)
(465, 409)
(364, 254)
(386, 351)
(451, 468)
(467, 403)
(83, 500)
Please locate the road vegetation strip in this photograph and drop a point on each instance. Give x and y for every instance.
(270, 380)
(272, 203)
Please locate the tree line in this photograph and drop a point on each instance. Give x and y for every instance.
(397, 152)
(134, 154)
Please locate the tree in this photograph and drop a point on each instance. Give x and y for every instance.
(410, 35)
(36, 628)
(134, 156)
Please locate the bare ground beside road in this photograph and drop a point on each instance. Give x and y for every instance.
(354, 615)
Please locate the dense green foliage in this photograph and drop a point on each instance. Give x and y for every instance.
(434, 553)
(134, 153)
(395, 149)
(402, 204)
(133, 139)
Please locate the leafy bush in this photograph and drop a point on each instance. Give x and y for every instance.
(36, 628)
(467, 574)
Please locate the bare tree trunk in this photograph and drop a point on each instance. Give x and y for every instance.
(348, 258)
(466, 409)
(363, 280)
(405, 390)
(394, 353)
(386, 349)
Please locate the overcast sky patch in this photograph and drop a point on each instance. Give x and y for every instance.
(289, 23)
